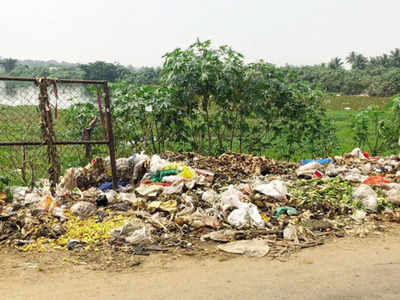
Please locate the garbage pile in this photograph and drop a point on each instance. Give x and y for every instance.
(246, 204)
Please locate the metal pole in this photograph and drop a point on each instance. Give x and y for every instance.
(110, 135)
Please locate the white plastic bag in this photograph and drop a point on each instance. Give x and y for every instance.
(83, 209)
(356, 153)
(156, 163)
(247, 214)
(367, 196)
(309, 169)
(276, 189)
(239, 217)
(231, 198)
(139, 236)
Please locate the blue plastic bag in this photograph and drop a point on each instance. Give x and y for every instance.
(322, 161)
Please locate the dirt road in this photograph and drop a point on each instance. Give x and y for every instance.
(342, 269)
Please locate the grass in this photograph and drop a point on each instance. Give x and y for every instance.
(342, 122)
(354, 102)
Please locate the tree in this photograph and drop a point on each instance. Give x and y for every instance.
(196, 72)
(336, 63)
(395, 57)
(9, 64)
(351, 58)
(101, 70)
(357, 61)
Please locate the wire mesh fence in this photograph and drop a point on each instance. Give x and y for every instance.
(49, 125)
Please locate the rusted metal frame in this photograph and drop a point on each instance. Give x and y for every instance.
(17, 79)
(46, 117)
(86, 134)
(110, 135)
(102, 82)
(103, 142)
(48, 133)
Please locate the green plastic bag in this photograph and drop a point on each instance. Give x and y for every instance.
(159, 175)
(291, 211)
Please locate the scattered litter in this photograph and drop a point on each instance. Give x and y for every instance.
(256, 205)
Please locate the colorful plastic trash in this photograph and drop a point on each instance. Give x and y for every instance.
(318, 174)
(187, 173)
(322, 161)
(291, 211)
(366, 154)
(375, 180)
(159, 175)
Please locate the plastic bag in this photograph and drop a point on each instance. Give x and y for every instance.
(247, 214)
(172, 178)
(376, 180)
(171, 166)
(140, 236)
(83, 209)
(238, 217)
(308, 169)
(367, 196)
(231, 198)
(176, 188)
(149, 190)
(256, 248)
(322, 161)
(290, 233)
(159, 175)
(291, 211)
(276, 189)
(156, 163)
(18, 193)
(356, 153)
(187, 173)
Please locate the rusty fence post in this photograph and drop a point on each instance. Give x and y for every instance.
(110, 135)
(48, 134)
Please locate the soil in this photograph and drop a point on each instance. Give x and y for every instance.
(343, 268)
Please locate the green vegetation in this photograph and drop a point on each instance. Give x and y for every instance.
(208, 100)
(375, 76)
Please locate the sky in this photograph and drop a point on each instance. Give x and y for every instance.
(139, 32)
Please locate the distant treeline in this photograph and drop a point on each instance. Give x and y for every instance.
(375, 76)
(98, 70)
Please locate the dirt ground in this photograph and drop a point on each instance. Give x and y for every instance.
(346, 268)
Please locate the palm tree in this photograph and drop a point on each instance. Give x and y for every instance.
(357, 61)
(335, 63)
(395, 57)
(351, 58)
(385, 60)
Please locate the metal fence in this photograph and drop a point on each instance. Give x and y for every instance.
(42, 133)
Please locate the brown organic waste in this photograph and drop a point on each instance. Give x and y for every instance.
(188, 203)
